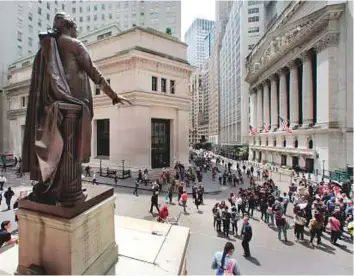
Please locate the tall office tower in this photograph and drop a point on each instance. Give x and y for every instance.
(195, 37)
(243, 30)
(21, 21)
(159, 15)
(222, 12)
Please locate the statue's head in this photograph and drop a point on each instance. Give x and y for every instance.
(65, 24)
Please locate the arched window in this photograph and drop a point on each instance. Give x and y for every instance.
(284, 143)
(267, 142)
(259, 141)
(296, 143)
(275, 142)
(310, 144)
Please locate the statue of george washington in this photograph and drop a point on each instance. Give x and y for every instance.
(60, 87)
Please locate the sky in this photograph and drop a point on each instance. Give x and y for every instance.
(192, 9)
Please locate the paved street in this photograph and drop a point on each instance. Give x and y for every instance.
(270, 256)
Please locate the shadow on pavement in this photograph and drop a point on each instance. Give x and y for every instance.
(306, 244)
(288, 243)
(326, 248)
(253, 260)
(344, 248)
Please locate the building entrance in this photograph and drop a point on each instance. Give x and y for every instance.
(160, 143)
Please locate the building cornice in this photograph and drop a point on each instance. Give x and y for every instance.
(149, 99)
(289, 38)
(292, 151)
(14, 113)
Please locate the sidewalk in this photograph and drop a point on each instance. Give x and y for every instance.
(210, 186)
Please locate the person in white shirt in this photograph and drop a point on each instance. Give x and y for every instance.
(94, 179)
(2, 182)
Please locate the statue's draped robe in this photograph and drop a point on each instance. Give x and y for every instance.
(51, 84)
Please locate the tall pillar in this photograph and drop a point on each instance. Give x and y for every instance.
(259, 107)
(307, 90)
(253, 110)
(294, 94)
(266, 102)
(283, 95)
(274, 102)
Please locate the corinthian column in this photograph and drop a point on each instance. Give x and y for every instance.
(283, 95)
(294, 94)
(253, 111)
(266, 102)
(259, 108)
(307, 90)
(274, 102)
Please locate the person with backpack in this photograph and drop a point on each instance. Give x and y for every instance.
(223, 263)
(316, 225)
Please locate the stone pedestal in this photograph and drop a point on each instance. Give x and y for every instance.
(84, 244)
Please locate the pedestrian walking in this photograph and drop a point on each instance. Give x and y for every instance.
(154, 200)
(94, 181)
(282, 226)
(8, 196)
(2, 182)
(135, 192)
(184, 198)
(247, 236)
(223, 263)
(334, 225)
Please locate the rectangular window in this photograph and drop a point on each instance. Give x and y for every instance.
(172, 86)
(48, 5)
(30, 29)
(30, 41)
(254, 10)
(19, 50)
(39, 23)
(102, 138)
(39, 10)
(253, 19)
(30, 16)
(80, 9)
(19, 36)
(87, 28)
(62, 6)
(163, 85)
(97, 90)
(95, 17)
(154, 84)
(103, 7)
(88, 18)
(110, 16)
(102, 16)
(74, 10)
(253, 30)
(81, 19)
(88, 8)
(23, 101)
(102, 36)
(95, 7)
(48, 16)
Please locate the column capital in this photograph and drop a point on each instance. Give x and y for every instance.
(331, 39)
(265, 83)
(292, 64)
(259, 86)
(273, 77)
(253, 90)
(282, 71)
(305, 56)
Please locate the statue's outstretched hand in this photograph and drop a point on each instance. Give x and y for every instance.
(120, 99)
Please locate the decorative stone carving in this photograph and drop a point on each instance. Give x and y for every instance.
(292, 64)
(330, 39)
(305, 56)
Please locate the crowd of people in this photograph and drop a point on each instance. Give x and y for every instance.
(319, 207)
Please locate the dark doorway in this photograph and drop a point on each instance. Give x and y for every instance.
(295, 161)
(102, 138)
(309, 163)
(283, 160)
(260, 157)
(160, 143)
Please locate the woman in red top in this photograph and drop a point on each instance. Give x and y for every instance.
(163, 214)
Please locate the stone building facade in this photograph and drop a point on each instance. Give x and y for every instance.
(147, 67)
(302, 71)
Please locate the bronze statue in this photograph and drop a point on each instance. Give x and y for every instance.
(60, 108)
